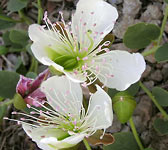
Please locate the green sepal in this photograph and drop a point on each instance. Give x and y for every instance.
(19, 102)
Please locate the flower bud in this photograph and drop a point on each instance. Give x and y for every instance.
(29, 89)
(123, 105)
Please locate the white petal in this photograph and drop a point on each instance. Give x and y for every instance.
(39, 52)
(120, 69)
(95, 15)
(100, 108)
(66, 143)
(35, 32)
(78, 78)
(63, 95)
(36, 134)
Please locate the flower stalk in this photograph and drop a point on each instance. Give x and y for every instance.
(163, 25)
(151, 51)
(40, 12)
(135, 134)
(154, 100)
(86, 144)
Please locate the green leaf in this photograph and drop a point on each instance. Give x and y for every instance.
(19, 37)
(13, 44)
(123, 105)
(161, 126)
(8, 82)
(162, 53)
(3, 109)
(8, 41)
(141, 35)
(132, 90)
(16, 5)
(1, 99)
(166, 1)
(160, 95)
(123, 141)
(3, 50)
(148, 149)
(7, 18)
(6, 24)
(19, 102)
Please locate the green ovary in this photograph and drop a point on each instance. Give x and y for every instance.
(67, 60)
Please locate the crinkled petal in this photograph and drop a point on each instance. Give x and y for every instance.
(23, 85)
(63, 95)
(119, 69)
(35, 98)
(100, 110)
(96, 16)
(39, 79)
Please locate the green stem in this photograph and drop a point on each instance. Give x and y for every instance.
(135, 134)
(153, 99)
(151, 51)
(163, 25)
(25, 18)
(40, 12)
(34, 65)
(8, 102)
(86, 144)
(6, 18)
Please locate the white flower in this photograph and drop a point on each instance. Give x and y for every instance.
(65, 122)
(75, 50)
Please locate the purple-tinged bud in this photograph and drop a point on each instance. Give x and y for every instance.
(29, 88)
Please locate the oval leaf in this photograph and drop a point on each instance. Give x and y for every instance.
(16, 5)
(160, 95)
(3, 50)
(19, 37)
(123, 141)
(8, 82)
(3, 109)
(161, 126)
(141, 35)
(162, 53)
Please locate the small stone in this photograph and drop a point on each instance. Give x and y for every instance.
(166, 27)
(147, 71)
(143, 113)
(152, 12)
(156, 76)
(165, 71)
(146, 137)
(149, 84)
(121, 27)
(150, 58)
(131, 7)
(125, 129)
(115, 1)
(66, 14)
(55, 0)
(25, 58)
(116, 127)
(1, 64)
(120, 46)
